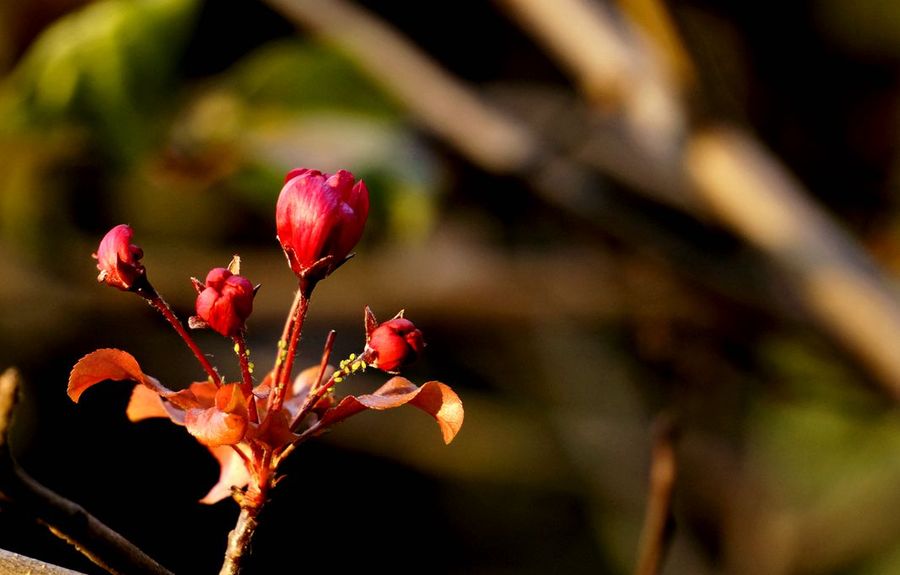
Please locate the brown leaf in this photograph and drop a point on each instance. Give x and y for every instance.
(232, 473)
(370, 323)
(105, 364)
(434, 398)
(274, 431)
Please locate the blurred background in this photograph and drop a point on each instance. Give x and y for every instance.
(617, 223)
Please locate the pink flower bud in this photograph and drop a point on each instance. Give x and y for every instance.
(119, 260)
(320, 215)
(394, 343)
(225, 302)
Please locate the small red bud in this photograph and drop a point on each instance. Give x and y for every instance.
(320, 215)
(225, 302)
(394, 344)
(119, 260)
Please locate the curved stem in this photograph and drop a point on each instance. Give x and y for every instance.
(160, 304)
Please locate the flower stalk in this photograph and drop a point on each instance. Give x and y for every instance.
(162, 307)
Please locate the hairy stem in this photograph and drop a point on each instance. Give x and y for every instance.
(160, 305)
(285, 365)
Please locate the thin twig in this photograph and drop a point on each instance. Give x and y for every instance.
(160, 305)
(657, 529)
(65, 519)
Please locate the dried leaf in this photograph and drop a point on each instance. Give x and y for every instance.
(233, 473)
(370, 323)
(105, 364)
(235, 265)
(434, 398)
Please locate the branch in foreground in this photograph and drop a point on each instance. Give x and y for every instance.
(65, 519)
(14, 563)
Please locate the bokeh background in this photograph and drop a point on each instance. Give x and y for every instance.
(609, 218)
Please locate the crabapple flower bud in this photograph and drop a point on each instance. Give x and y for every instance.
(119, 260)
(320, 215)
(393, 344)
(225, 301)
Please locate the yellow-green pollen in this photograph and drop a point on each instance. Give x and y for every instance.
(282, 352)
(348, 367)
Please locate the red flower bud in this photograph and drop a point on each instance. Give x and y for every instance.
(225, 302)
(394, 343)
(320, 215)
(119, 260)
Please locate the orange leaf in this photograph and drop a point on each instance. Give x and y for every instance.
(145, 403)
(101, 365)
(230, 399)
(232, 473)
(434, 398)
(223, 424)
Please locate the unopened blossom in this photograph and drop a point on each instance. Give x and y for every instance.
(225, 302)
(119, 260)
(320, 215)
(394, 344)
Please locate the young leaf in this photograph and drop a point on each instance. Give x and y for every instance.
(434, 398)
(212, 427)
(225, 423)
(233, 473)
(144, 404)
(101, 365)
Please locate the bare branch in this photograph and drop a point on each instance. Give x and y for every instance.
(447, 107)
(65, 519)
(657, 530)
(13, 563)
(752, 193)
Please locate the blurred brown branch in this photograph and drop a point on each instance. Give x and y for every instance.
(65, 519)
(644, 145)
(732, 177)
(656, 533)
